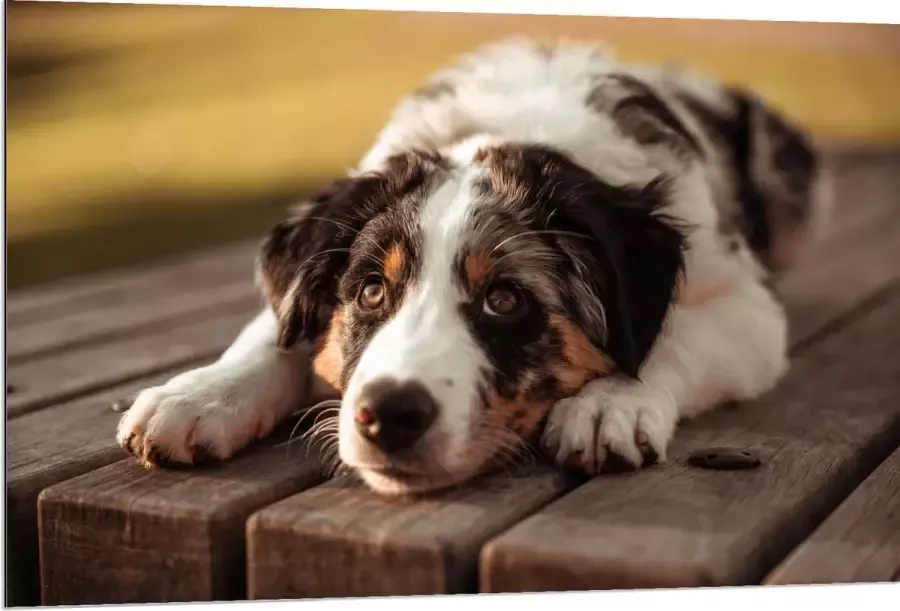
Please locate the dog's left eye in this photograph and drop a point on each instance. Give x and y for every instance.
(503, 301)
(372, 294)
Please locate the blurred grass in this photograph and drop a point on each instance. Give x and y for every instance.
(139, 131)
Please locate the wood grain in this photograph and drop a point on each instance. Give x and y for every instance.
(834, 418)
(109, 321)
(858, 256)
(125, 534)
(47, 447)
(208, 267)
(859, 542)
(41, 382)
(340, 539)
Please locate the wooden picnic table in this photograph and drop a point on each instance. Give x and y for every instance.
(88, 525)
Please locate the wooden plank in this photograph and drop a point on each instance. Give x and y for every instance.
(147, 282)
(41, 382)
(125, 534)
(841, 275)
(835, 417)
(340, 539)
(859, 542)
(47, 447)
(108, 320)
(857, 257)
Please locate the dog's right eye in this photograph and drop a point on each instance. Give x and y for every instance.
(504, 302)
(372, 294)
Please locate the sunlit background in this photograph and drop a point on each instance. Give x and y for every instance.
(140, 132)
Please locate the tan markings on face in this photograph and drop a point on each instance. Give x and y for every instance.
(328, 362)
(583, 361)
(478, 265)
(394, 262)
(519, 415)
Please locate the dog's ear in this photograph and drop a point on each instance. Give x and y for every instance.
(301, 259)
(626, 258)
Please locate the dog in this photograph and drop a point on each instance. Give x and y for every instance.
(545, 246)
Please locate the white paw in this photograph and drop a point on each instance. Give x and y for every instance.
(200, 414)
(608, 422)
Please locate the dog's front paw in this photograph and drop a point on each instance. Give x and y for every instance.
(196, 416)
(610, 423)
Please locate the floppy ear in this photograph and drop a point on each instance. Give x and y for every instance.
(303, 256)
(626, 260)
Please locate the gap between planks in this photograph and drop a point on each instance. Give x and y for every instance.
(859, 542)
(46, 303)
(43, 382)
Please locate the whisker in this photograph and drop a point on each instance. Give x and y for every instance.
(323, 252)
(539, 232)
(351, 229)
(329, 405)
(322, 446)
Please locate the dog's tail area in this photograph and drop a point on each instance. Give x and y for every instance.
(785, 184)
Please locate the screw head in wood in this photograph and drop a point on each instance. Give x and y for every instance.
(724, 459)
(120, 405)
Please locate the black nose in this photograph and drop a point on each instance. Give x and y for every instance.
(394, 415)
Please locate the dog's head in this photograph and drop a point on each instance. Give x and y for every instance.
(453, 301)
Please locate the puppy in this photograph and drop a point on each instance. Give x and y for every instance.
(542, 245)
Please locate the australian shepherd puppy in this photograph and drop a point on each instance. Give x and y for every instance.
(543, 245)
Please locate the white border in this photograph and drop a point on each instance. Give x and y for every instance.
(733, 599)
(858, 11)
(746, 598)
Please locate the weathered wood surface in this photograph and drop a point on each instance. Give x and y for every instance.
(46, 303)
(859, 254)
(50, 446)
(53, 378)
(818, 434)
(113, 532)
(127, 325)
(125, 534)
(44, 448)
(339, 539)
(106, 321)
(859, 542)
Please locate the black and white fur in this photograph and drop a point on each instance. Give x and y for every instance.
(651, 209)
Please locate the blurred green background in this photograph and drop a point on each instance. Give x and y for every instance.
(140, 132)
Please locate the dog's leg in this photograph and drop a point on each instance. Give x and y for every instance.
(218, 409)
(730, 347)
